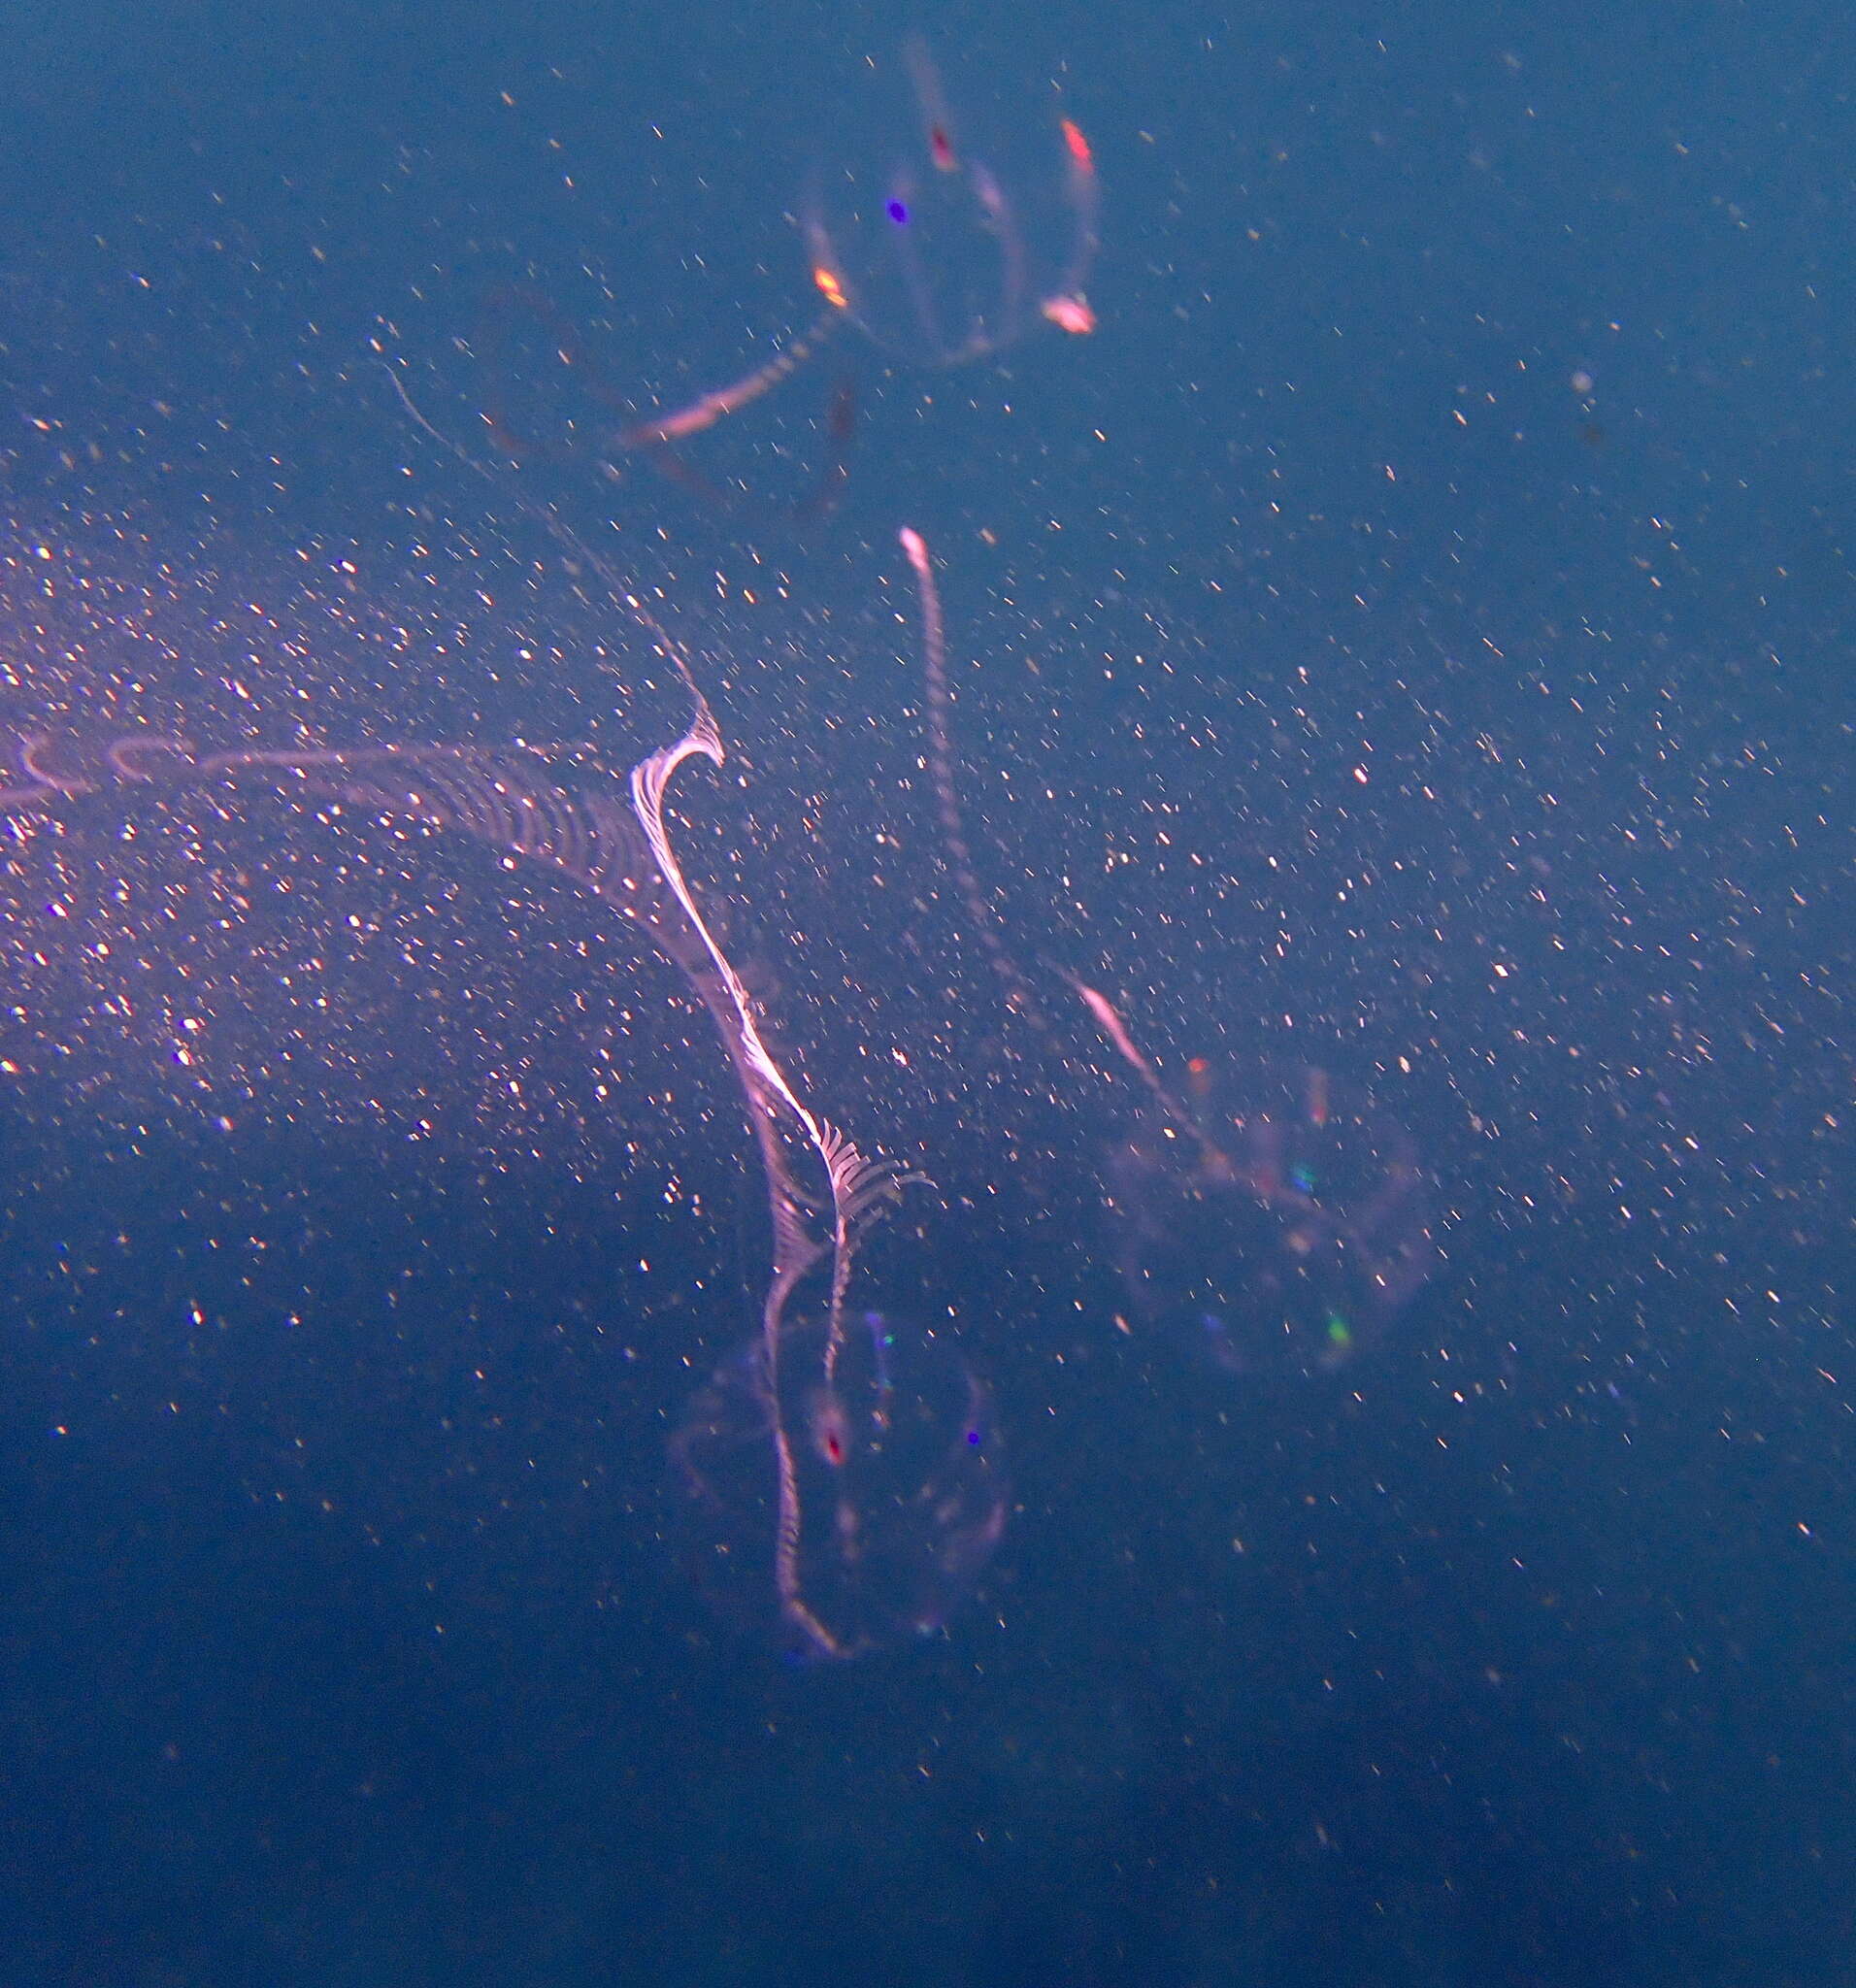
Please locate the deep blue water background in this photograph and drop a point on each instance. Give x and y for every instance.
(345, 1637)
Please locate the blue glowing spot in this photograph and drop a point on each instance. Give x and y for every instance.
(1303, 1175)
(974, 1436)
(898, 212)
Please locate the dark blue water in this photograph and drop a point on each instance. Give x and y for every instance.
(1406, 641)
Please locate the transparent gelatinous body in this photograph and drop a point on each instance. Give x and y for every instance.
(824, 1192)
(1280, 1233)
(941, 255)
(895, 1460)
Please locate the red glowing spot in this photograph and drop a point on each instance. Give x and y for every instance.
(831, 1433)
(1071, 314)
(1077, 147)
(941, 148)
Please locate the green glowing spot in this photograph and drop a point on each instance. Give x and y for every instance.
(1338, 1335)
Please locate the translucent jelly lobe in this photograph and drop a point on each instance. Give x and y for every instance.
(1281, 1228)
(893, 1456)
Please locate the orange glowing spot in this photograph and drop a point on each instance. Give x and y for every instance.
(829, 287)
(1071, 314)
